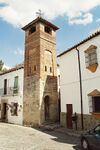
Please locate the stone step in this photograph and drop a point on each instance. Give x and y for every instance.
(4, 120)
(50, 126)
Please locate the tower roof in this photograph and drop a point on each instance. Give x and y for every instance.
(39, 19)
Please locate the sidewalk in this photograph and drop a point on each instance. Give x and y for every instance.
(58, 128)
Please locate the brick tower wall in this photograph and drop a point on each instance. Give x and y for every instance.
(40, 52)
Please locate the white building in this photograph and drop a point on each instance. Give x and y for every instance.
(11, 95)
(80, 85)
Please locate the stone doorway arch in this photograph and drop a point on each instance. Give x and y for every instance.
(47, 108)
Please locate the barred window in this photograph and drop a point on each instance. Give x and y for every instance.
(91, 57)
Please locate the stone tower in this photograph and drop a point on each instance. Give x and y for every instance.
(40, 102)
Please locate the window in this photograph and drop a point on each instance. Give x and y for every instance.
(15, 90)
(5, 86)
(91, 58)
(35, 68)
(94, 104)
(47, 29)
(50, 69)
(46, 68)
(32, 30)
(14, 109)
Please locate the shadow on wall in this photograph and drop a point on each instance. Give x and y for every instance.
(50, 104)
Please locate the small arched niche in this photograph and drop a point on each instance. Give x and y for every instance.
(46, 107)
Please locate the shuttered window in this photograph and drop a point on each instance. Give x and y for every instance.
(94, 104)
(90, 104)
(15, 90)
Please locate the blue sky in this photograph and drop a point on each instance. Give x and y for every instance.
(74, 26)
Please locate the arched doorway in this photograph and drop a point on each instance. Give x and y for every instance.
(46, 107)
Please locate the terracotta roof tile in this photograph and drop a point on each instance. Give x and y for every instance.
(39, 19)
(78, 44)
(17, 67)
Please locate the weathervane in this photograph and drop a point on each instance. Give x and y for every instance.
(39, 13)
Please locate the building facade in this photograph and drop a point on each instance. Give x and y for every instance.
(11, 95)
(80, 83)
(40, 101)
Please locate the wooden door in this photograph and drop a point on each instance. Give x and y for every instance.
(69, 115)
(4, 111)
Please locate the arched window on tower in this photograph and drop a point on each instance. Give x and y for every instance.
(35, 67)
(32, 30)
(48, 30)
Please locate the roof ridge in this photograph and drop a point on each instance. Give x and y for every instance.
(13, 69)
(42, 20)
(79, 43)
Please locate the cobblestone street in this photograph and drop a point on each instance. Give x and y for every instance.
(13, 137)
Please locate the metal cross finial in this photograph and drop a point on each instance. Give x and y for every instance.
(39, 13)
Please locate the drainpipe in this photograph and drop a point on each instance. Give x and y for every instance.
(81, 94)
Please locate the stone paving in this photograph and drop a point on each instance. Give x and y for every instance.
(14, 137)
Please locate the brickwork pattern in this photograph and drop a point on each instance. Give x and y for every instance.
(40, 51)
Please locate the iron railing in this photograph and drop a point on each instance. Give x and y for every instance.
(9, 91)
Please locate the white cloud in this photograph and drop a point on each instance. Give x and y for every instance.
(83, 19)
(98, 20)
(20, 12)
(19, 52)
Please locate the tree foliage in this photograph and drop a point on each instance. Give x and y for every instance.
(1, 65)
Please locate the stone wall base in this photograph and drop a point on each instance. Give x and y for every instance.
(31, 124)
(63, 121)
(89, 121)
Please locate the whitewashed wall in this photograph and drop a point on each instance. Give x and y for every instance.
(69, 77)
(13, 98)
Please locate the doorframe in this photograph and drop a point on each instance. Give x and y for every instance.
(47, 116)
(2, 111)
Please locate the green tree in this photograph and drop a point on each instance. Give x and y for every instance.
(1, 65)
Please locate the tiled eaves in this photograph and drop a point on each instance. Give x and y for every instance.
(40, 19)
(83, 41)
(12, 69)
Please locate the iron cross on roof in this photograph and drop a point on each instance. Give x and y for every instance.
(39, 13)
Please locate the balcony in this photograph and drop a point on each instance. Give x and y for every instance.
(11, 91)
